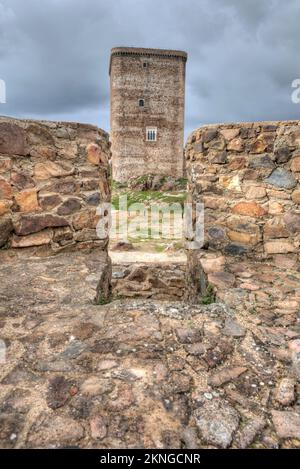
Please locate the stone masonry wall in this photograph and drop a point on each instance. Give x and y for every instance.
(53, 175)
(248, 177)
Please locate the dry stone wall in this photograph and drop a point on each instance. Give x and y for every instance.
(248, 177)
(53, 175)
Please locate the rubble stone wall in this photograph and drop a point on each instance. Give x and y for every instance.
(53, 175)
(248, 177)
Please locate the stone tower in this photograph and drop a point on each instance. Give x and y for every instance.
(147, 112)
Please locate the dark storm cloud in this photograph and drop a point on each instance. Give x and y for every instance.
(243, 55)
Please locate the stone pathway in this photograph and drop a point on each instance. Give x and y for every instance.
(138, 373)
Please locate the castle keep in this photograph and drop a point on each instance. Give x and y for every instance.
(147, 112)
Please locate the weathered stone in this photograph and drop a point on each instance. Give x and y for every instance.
(48, 202)
(69, 206)
(98, 428)
(278, 247)
(219, 158)
(250, 209)
(275, 228)
(196, 349)
(55, 430)
(225, 375)
(282, 155)
(231, 182)
(261, 161)
(295, 164)
(292, 222)
(5, 165)
(256, 192)
(233, 328)
(296, 196)
(93, 199)
(58, 392)
(86, 219)
(95, 155)
(27, 200)
(285, 392)
(221, 279)
(235, 250)
(4, 207)
(250, 431)
(33, 223)
(36, 239)
(275, 208)
(5, 190)
(282, 178)
(217, 422)
(12, 139)
(50, 169)
(213, 265)
(6, 227)
(244, 238)
(230, 134)
(188, 335)
(235, 144)
(287, 424)
(217, 234)
(21, 180)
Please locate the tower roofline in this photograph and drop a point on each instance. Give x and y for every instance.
(138, 51)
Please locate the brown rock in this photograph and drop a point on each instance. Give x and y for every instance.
(296, 196)
(27, 200)
(69, 206)
(275, 228)
(244, 238)
(32, 224)
(285, 392)
(256, 192)
(250, 209)
(55, 430)
(235, 145)
(225, 375)
(237, 162)
(5, 190)
(12, 141)
(21, 180)
(229, 134)
(279, 247)
(43, 152)
(6, 227)
(58, 392)
(292, 222)
(48, 202)
(222, 279)
(295, 164)
(4, 207)
(85, 219)
(95, 155)
(36, 239)
(50, 169)
(287, 424)
(213, 265)
(187, 335)
(250, 431)
(98, 428)
(5, 165)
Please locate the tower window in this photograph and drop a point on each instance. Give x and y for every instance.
(141, 102)
(145, 64)
(151, 134)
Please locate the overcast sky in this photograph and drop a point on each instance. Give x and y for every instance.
(243, 55)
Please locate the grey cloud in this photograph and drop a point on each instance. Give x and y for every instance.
(243, 55)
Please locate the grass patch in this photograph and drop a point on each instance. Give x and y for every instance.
(209, 297)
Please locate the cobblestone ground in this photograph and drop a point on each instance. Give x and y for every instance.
(137, 373)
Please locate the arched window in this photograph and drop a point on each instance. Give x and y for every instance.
(141, 102)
